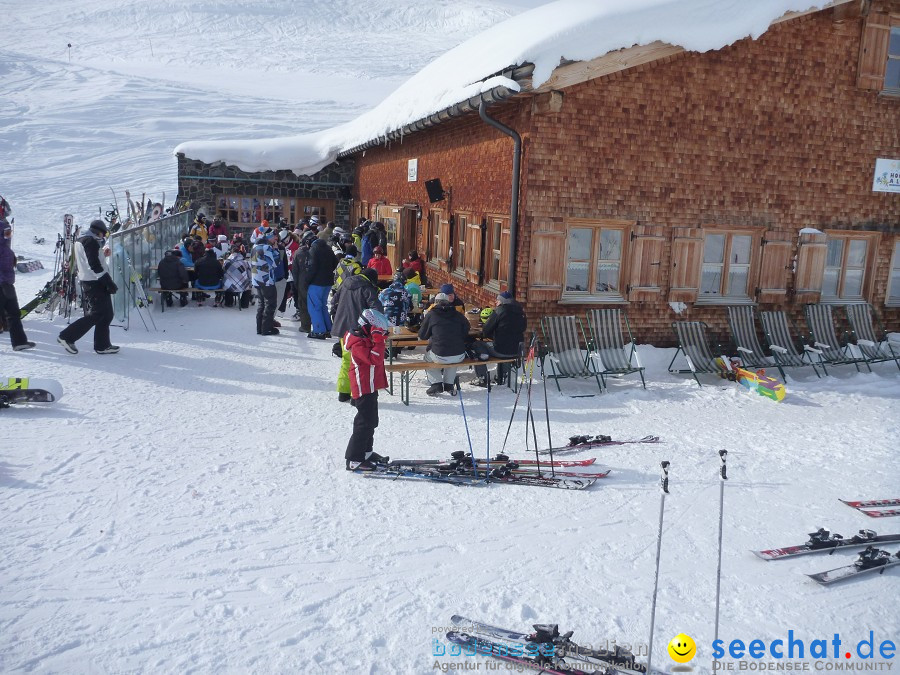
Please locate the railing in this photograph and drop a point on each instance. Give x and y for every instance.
(136, 250)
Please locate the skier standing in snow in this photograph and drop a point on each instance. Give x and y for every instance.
(97, 287)
(356, 294)
(301, 286)
(319, 278)
(264, 262)
(9, 302)
(366, 344)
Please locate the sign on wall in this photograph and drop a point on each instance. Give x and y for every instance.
(412, 170)
(887, 176)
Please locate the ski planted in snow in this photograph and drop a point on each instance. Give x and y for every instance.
(548, 637)
(599, 441)
(871, 560)
(823, 540)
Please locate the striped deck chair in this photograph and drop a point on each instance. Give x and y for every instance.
(693, 343)
(608, 344)
(784, 348)
(743, 334)
(821, 328)
(563, 337)
(870, 336)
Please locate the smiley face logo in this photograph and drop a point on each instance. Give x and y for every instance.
(682, 648)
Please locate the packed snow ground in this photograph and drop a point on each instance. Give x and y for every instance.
(184, 507)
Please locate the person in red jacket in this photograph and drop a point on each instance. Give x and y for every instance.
(380, 264)
(366, 345)
(413, 261)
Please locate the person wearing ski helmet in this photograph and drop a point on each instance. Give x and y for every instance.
(264, 261)
(366, 344)
(97, 289)
(9, 302)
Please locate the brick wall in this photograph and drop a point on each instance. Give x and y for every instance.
(771, 133)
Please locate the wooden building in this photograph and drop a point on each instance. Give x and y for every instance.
(667, 182)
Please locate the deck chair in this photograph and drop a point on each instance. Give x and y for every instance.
(743, 335)
(870, 336)
(821, 327)
(608, 345)
(563, 336)
(694, 344)
(783, 347)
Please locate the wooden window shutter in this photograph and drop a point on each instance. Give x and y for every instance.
(873, 52)
(473, 251)
(809, 274)
(504, 252)
(444, 243)
(548, 265)
(647, 242)
(687, 254)
(775, 262)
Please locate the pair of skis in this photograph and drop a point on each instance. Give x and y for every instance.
(545, 650)
(867, 507)
(590, 442)
(872, 559)
(462, 473)
(527, 467)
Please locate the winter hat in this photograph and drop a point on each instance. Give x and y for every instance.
(221, 237)
(99, 226)
(371, 274)
(378, 250)
(314, 220)
(351, 251)
(505, 297)
(441, 297)
(448, 289)
(283, 235)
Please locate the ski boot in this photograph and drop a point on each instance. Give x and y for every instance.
(375, 458)
(578, 440)
(600, 438)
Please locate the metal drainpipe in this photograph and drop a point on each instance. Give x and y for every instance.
(514, 208)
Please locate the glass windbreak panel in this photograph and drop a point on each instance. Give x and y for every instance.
(830, 284)
(711, 279)
(856, 254)
(610, 245)
(577, 276)
(714, 248)
(740, 249)
(580, 239)
(853, 281)
(607, 277)
(835, 253)
(738, 275)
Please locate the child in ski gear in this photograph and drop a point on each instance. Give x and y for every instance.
(414, 262)
(366, 344)
(97, 287)
(264, 261)
(358, 293)
(9, 302)
(447, 332)
(397, 301)
(413, 286)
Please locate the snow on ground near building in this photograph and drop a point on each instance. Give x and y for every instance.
(184, 508)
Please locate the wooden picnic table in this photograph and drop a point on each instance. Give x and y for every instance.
(406, 369)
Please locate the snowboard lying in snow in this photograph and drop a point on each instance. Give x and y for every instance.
(28, 390)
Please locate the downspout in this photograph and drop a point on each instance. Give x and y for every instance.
(514, 207)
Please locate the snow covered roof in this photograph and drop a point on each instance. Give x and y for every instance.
(559, 32)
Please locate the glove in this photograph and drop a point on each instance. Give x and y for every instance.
(109, 284)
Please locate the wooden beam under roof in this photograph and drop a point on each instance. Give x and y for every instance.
(622, 59)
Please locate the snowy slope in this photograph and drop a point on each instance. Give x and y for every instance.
(184, 507)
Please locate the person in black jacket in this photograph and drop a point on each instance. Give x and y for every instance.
(357, 293)
(319, 277)
(447, 332)
(299, 268)
(173, 275)
(209, 275)
(506, 327)
(96, 288)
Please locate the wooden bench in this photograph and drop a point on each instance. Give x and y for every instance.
(407, 368)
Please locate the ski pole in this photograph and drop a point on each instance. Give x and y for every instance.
(664, 484)
(466, 423)
(528, 358)
(549, 439)
(529, 416)
(722, 474)
(488, 433)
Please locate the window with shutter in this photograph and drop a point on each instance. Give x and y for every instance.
(497, 251)
(473, 251)
(847, 259)
(594, 261)
(726, 270)
(775, 262)
(687, 255)
(893, 292)
(431, 237)
(460, 233)
(644, 278)
(879, 53)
